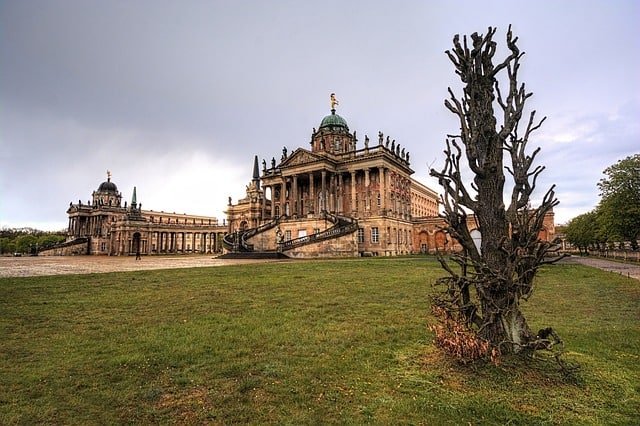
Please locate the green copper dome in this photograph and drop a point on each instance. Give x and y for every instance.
(334, 120)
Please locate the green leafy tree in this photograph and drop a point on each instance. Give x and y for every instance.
(49, 240)
(24, 243)
(583, 232)
(619, 207)
(7, 245)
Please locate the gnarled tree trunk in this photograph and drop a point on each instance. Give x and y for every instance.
(484, 293)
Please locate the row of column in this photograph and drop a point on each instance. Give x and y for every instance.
(330, 196)
(81, 226)
(181, 242)
(167, 242)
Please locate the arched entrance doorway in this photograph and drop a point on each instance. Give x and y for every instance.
(440, 241)
(136, 245)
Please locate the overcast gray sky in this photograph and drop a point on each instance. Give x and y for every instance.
(176, 97)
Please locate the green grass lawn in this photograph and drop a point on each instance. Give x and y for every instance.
(300, 342)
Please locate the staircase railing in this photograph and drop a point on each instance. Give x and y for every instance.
(342, 226)
(237, 241)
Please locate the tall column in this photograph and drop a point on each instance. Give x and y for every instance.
(334, 193)
(273, 201)
(312, 195)
(382, 187)
(339, 195)
(294, 196)
(283, 190)
(123, 242)
(323, 191)
(353, 192)
(183, 241)
(367, 193)
(264, 203)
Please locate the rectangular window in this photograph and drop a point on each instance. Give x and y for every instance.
(287, 235)
(360, 235)
(374, 235)
(316, 230)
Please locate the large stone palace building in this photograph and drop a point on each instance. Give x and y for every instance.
(104, 226)
(339, 199)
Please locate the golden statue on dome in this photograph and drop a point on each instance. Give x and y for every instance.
(334, 101)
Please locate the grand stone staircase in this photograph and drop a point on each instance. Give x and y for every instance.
(342, 226)
(238, 247)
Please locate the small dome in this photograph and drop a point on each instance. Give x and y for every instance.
(334, 120)
(108, 186)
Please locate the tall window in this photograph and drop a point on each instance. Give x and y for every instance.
(287, 235)
(374, 235)
(361, 235)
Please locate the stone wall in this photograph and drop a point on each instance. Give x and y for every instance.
(67, 249)
(345, 246)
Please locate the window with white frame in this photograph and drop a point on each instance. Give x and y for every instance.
(375, 236)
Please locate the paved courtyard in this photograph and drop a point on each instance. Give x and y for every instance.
(57, 265)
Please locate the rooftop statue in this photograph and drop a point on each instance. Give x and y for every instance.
(334, 101)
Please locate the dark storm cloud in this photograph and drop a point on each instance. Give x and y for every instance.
(158, 91)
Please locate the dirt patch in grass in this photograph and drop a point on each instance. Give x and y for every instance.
(187, 406)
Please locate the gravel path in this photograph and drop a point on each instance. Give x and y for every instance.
(59, 265)
(626, 269)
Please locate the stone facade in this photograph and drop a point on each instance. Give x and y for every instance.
(371, 184)
(113, 229)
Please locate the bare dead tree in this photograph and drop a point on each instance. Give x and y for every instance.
(485, 291)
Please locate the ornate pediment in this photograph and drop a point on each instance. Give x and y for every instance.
(300, 156)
